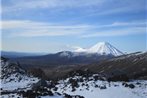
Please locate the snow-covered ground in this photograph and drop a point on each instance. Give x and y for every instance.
(15, 85)
(88, 89)
(13, 77)
(19, 96)
(112, 90)
(15, 80)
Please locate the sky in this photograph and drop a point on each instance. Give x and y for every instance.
(59, 25)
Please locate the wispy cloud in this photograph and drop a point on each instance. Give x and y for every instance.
(28, 24)
(94, 7)
(49, 4)
(120, 32)
(8, 24)
(124, 24)
(27, 28)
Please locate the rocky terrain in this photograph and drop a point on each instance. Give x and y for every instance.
(17, 83)
(129, 66)
(117, 78)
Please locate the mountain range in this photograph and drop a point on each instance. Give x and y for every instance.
(98, 52)
(101, 48)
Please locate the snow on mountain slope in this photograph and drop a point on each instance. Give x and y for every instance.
(14, 77)
(15, 82)
(101, 48)
(79, 49)
(104, 48)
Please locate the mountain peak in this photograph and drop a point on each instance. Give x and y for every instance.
(102, 44)
(104, 48)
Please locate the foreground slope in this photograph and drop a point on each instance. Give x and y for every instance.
(17, 83)
(91, 87)
(13, 77)
(133, 65)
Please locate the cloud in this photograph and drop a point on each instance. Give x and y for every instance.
(27, 28)
(8, 24)
(94, 7)
(48, 4)
(28, 24)
(120, 32)
(124, 24)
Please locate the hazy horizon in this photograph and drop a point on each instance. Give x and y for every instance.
(51, 26)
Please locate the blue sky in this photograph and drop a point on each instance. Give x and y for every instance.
(56, 25)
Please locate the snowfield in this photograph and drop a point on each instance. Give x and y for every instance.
(87, 89)
(104, 89)
(16, 96)
(13, 77)
(15, 85)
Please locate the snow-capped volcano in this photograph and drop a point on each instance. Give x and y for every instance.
(102, 48)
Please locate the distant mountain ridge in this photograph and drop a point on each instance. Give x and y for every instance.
(61, 58)
(133, 65)
(13, 54)
(98, 52)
